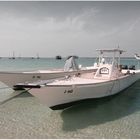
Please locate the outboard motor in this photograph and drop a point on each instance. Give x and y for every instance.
(125, 67)
(132, 67)
(70, 64)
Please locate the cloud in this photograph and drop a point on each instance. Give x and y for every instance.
(70, 29)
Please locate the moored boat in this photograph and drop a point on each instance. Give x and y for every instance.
(107, 80)
(137, 56)
(11, 78)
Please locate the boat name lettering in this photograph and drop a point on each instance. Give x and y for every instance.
(36, 77)
(68, 91)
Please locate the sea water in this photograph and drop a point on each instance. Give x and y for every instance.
(23, 116)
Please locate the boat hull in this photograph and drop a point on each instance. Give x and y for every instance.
(12, 78)
(55, 96)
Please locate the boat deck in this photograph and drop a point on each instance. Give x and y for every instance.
(45, 71)
(76, 80)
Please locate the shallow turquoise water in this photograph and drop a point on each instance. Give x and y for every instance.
(49, 63)
(23, 116)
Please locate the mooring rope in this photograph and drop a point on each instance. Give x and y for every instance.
(3, 102)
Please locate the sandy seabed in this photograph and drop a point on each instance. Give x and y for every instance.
(23, 116)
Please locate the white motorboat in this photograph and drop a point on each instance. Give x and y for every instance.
(137, 56)
(107, 80)
(70, 68)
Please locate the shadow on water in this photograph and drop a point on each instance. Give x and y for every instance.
(99, 111)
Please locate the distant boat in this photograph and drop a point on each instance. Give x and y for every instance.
(32, 57)
(137, 56)
(13, 56)
(38, 56)
(58, 57)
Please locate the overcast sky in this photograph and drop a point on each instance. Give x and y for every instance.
(66, 28)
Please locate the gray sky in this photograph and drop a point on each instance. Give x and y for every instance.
(66, 28)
